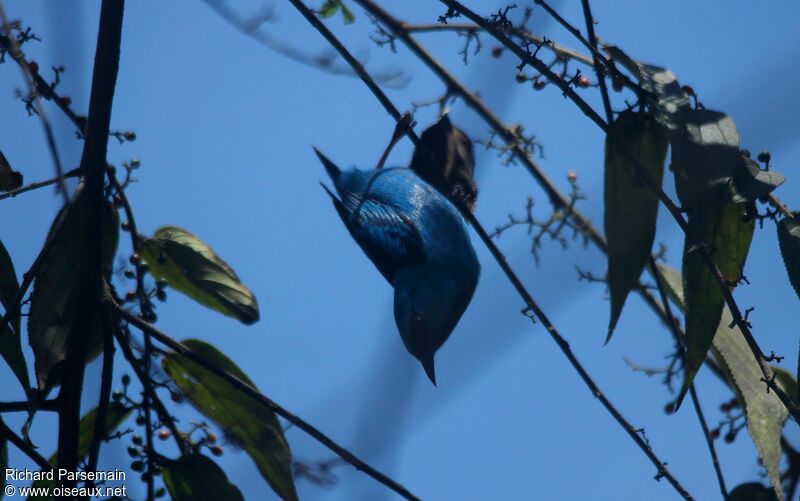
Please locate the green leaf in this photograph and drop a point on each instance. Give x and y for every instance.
(751, 183)
(57, 288)
(329, 8)
(727, 237)
(789, 243)
(705, 156)
(631, 207)
(668, 99)
(764, 412)
(9, 179)
(190, 266)
(195, 477)
(248, 422)
(347, 14)
(10, 342)
(115, 416)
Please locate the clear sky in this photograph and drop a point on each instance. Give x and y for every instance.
(225, 129)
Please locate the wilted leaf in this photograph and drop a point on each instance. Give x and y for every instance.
(9, 179)
(10, 344)
(57, 288)
(764, 412)
(751, 491)
(454, 176)
(194, 477)
(115, 416)
(190, 266)
(631, 207)
(669, 98)
(789, 242)
(250, 423)
(727, 236)
(751, 183)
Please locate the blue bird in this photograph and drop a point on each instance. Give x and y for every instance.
(419, 242)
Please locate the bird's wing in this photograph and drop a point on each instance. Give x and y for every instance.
(388, 237)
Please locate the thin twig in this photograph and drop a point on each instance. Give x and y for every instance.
(240, 385)
(106, 380)
(598, 68)
(530, 305)
(27, 75)
(674, 210)
(680, 339)
(25, 447)
(37, 185)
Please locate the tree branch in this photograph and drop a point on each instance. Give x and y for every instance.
(93, 168)
(531, 305)
(240, 385)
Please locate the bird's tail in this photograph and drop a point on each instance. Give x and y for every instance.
(330, 167)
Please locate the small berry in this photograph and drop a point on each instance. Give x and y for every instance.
(129, 274)
(538, 84)
(140, 421)
(497, 52)
(133, 452)
(572, 176)
(582, 81)
(161, 295)
(161, 492)
(126, 379)
(176, 397)
(116, 396)
(129, 135)
(163, 434)
(135, 163)
(130, 296)
(714, 434)
(521, 78)
(33, 66)
(126, 226)
(729, 437)
(745, 153)
(135, 258)
(669, 408)
(137, 466)
(764, 157)
(725, 407)
(688, 90)
(211, 438)
(137, 440)
(216, 450)
(65, 100)
(616, 84)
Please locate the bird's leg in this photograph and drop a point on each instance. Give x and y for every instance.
(404, 124)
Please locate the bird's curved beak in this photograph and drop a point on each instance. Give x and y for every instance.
(430, 370)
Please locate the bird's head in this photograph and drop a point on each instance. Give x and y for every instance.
(426, 313)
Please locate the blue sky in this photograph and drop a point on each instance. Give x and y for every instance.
(225, 129)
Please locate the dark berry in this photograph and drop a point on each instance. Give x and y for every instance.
(582, 81)
(497, 52)
(33, 66)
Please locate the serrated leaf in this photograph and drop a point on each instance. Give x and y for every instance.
(631, 207)
(115, 416)
(195, 477)
(764, 412)
(248, 422)
(9, 178)
(752, 183)
(57, 288)
(727, 236)
(453, 176)
(190, 266)
(705, 156)
(669, 98)
(10, 335)
(789, 243)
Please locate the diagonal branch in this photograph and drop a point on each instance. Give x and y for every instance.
(531, 307)
(674, 210)
(237, 383)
